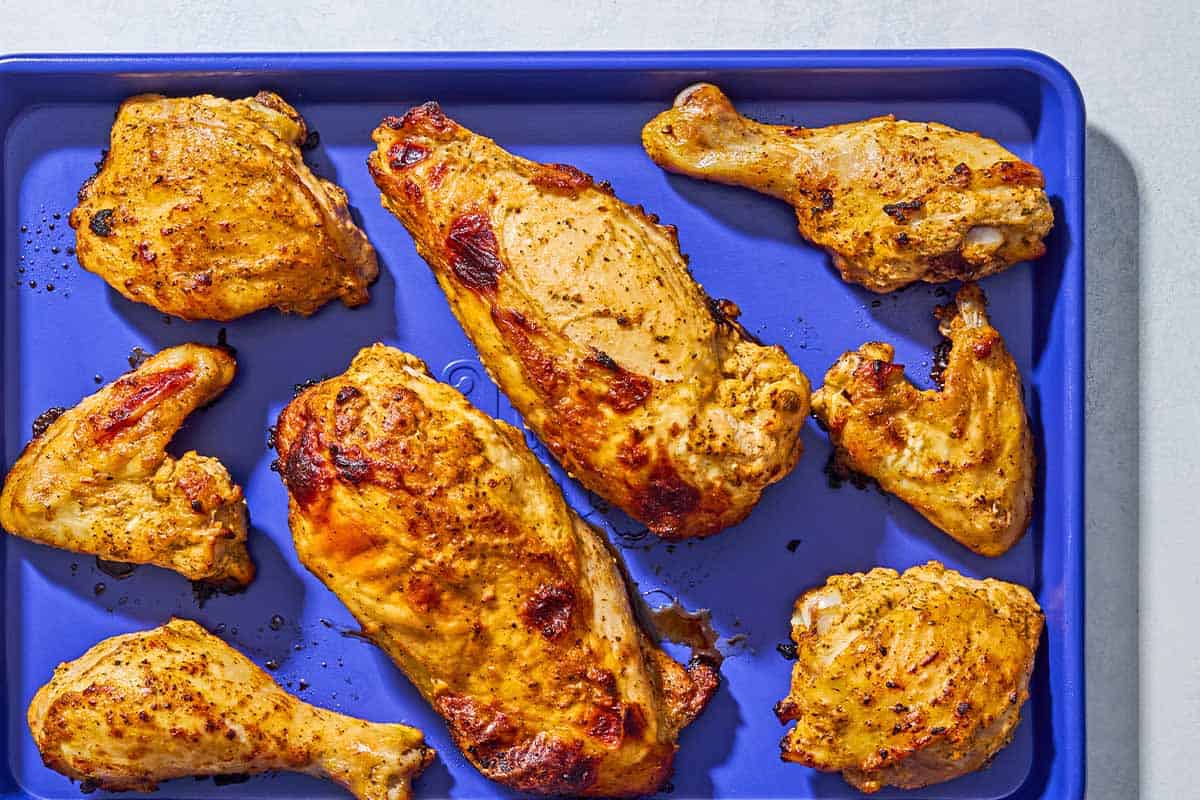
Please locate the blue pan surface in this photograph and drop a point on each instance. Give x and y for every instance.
(64, 330)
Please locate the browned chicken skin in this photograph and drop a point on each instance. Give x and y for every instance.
(908, 680)
(177, 701)
(451, 545)
(584, 312)
(204, 208)
(98, 480)
(893, 202)
(962, 456)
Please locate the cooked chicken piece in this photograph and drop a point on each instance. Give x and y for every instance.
(177, 701)
(893, 202)
(204, 208)
(584, 312)
(962, 456)
(96, 478)
(453, 548)
(907, 680)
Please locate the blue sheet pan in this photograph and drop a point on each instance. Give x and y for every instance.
(585, 109)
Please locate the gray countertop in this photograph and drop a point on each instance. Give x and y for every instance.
(1139, 72)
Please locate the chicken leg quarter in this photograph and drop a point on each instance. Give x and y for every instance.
(177, 701)
(453, 548)
(584, 312)
(893, 202)
(98, 480)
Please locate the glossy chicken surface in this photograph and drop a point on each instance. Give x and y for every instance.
(453, 548)
(177, 701)
(96, 478)
(962, 455)
(908, 680)
(584, 312)
(204, 208)
(893, 202)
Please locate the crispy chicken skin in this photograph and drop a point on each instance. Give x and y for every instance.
(584, 312)
(98, 480)
(204, 208)
(962, 456)
(453, 548)
(893, 202)
(908, 680)
(177, 701)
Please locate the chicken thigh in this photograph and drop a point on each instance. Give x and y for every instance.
(97, 479)
(908, 680)
(584, 312)
(962, 456)
(893, 202)
(453, 548)
(204, 208)
(177, 701)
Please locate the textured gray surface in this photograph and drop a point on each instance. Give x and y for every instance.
(1139, 72)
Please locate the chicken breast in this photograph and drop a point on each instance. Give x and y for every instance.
(203, 208)
(908, 680)
(448, 541)
(584, 312)
(962, 456)
(97, 479)
(177, 701)
(893, 202)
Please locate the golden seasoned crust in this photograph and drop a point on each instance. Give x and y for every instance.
(98, 480)
(893, 202)
(962, 456)
(177, 701)
(583, 310)
(908, 680)
(203, 208)
(449, 542)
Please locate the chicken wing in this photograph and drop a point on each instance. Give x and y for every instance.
(204, 208)
(907, 680)
(453, 548)
(584, 312)
(893, 202)
(962, 456)
(96, 479)
(177, 701)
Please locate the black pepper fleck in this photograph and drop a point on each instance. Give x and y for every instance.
(46, 419)
(101, 223)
